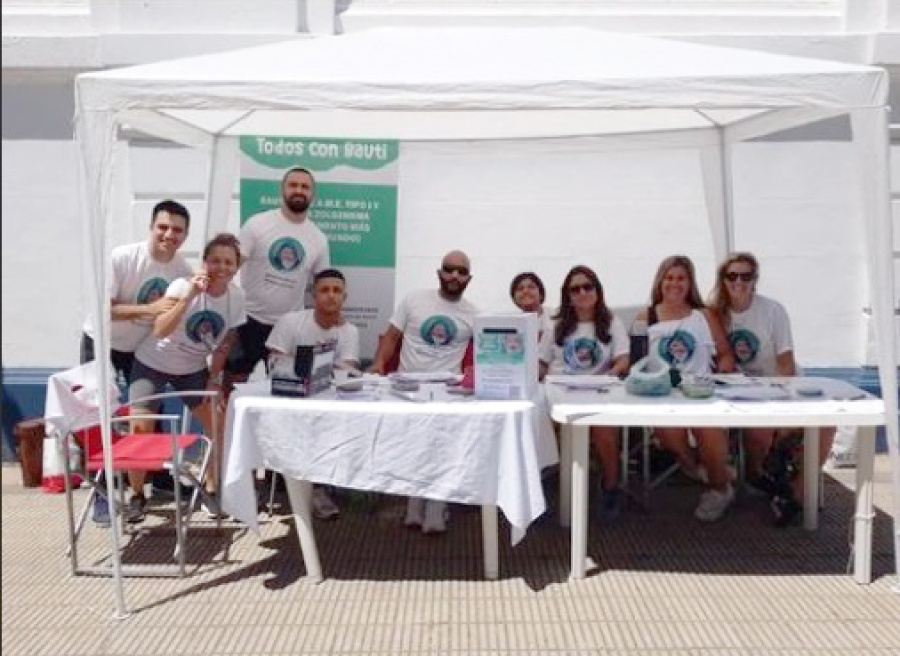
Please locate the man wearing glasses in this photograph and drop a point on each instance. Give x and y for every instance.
(432, 328)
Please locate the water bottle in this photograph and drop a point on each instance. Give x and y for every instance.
(640, 343)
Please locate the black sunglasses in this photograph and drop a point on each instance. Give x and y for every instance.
(451, 269)
(733, 276)
(587, 288)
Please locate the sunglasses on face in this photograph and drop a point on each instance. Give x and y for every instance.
(733, 276)
(450, 269)
(585, 288)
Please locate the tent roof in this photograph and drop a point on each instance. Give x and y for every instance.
(478, 83)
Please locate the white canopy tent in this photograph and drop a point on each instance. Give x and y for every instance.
(496, 84)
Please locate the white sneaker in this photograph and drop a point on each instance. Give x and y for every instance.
(837, 460)
(415, 512)
(323, 506)
(703, 476)
(435, 517)
(713, 504)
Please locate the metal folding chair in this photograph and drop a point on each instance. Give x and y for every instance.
(187, 455)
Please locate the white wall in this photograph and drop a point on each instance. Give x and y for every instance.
(512, 207)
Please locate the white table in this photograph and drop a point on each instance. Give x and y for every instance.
(463, 451)
(841, 405)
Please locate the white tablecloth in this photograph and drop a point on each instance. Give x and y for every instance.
(465, 451)
(838, 404)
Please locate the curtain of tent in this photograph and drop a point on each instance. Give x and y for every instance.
(870, 133)
(96, 132)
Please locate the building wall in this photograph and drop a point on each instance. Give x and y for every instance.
(789, 192)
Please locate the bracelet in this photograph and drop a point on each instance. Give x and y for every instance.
(217, 379)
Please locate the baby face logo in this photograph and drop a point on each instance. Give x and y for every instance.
(152, 290)
(286, 254)
(438, 330)
(204, 327)
(744, 345)
(581, 354)
(677, 349)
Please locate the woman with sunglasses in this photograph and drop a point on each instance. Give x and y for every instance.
(587, 338)
(527, 291)
(678, 317)
(759, 333)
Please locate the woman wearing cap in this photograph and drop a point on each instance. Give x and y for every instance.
(677, 314)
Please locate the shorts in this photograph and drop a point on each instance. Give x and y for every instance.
(249, 348)
(122, 361)
(147, 380)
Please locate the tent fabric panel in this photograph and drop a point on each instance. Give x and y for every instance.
(489, 68)
(870, 132)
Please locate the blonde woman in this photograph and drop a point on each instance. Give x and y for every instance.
(689, 336)
(759, 333)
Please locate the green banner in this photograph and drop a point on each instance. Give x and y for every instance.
(358, 219)
(355, 205)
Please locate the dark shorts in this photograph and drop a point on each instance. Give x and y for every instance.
(249, 348)
(147, 380)
(122, 361)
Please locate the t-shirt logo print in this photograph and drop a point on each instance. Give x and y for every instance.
(744, 345)
(677, 349)
(438, 330)
(581, 354)
(286, 254)
(204, 327)
(152, 290)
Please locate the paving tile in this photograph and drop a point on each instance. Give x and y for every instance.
(665, 586)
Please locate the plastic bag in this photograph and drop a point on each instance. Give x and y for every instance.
(649, 376)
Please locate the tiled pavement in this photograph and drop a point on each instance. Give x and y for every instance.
(666, 584)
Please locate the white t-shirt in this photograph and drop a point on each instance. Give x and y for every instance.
(582, 352)
(686, 344)
(300, 328)
(137, 279)
(203, 326)
(281, 257)
(758, 335)
(436, 332)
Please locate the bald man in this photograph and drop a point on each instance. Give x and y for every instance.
(435, 326)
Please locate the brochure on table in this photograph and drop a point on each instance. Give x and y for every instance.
(506, 358)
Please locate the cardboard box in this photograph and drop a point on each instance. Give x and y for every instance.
(506, 356)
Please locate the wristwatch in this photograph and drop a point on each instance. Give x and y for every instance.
(217, 379)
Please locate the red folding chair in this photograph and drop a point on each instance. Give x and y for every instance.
(187, 455)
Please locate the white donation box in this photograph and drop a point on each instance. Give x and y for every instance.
(506, 356)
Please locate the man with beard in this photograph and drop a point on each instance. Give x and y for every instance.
(274, 284)
(414, 323)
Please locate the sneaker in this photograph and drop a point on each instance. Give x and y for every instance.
(839, 459)
(210, 505)
(701, 475)
(436, 513)
(415, 512)
(761, 486)
(713, 504)
(611, 503)
(134, 514)
(101, 511)
(786, 511)
(323, 505)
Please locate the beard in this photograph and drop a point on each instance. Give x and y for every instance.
(452, 289)
(296, 204)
